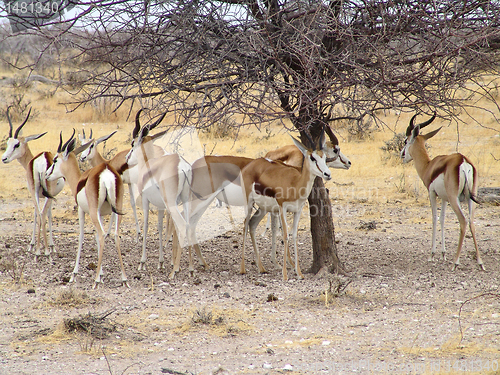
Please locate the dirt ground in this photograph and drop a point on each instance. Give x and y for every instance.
(394, 312)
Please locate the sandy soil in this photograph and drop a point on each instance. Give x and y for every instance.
(395, 313)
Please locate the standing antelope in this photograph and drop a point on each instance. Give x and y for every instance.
(36, 168)
(291, 155)
(99, 191)
(452, 178)
(277, 187)
(164, 182)
(211, 172)
(128, 174)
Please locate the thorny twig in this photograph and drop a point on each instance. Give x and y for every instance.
(490, 295)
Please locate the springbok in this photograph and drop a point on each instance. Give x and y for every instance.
(210, 172)
(277, 187)
(452, 178)
(291, 155)
(128, 174)
(36, 168)
(97, 192)
(164, 182)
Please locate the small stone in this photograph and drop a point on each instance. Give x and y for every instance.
(153, 316)
(267, 366)
(288, 367)
(271, 297)
(31, 291)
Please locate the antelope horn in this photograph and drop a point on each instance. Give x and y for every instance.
(69, 140)
(59, 148)
(333, 137)
(10, 122)
(21, 126)
(321, 139)
(424, 124)
(410, 127)
(90, 133)
(309, 139)
(137, 124)
(157, 122)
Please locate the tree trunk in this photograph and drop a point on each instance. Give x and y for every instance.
(322, 230)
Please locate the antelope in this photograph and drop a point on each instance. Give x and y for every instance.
(277, 187)
(97, 192)
(36, 168)
(210, 172)
(453, 178)
(165, 182)
(291, 155)
(128, 174)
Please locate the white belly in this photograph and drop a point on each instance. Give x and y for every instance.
(152, 194)
(438, 187)
(232, 195)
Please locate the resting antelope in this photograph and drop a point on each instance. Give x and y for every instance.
(276, 187)
(452, 178)
(36, 168)
(99, 191)
(128, 174)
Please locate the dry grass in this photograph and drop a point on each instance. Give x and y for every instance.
(375, 177)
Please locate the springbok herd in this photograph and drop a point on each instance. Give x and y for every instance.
(276, 184)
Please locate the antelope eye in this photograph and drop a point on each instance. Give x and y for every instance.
(16, 145)
(312, 158)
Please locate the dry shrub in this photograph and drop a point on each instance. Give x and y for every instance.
(71, 298)
(394, 146)
(97, 326)
(11, 265)
(226, 128)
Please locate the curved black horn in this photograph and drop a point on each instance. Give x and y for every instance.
(59, 148)
(83, 131)
(137, 124)
(21, 126)
(309, 139)
(10, 122)
(424, 124)
(410, 127)
(321, 139)
(69, 140)
(157, 122)
(329, 132)
(90, 134)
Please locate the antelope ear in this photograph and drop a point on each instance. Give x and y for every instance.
(33, 137)
(158, 135)
(82, 148)
(415, 132)
(104, 138)
(431, 134)
(299, 145)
